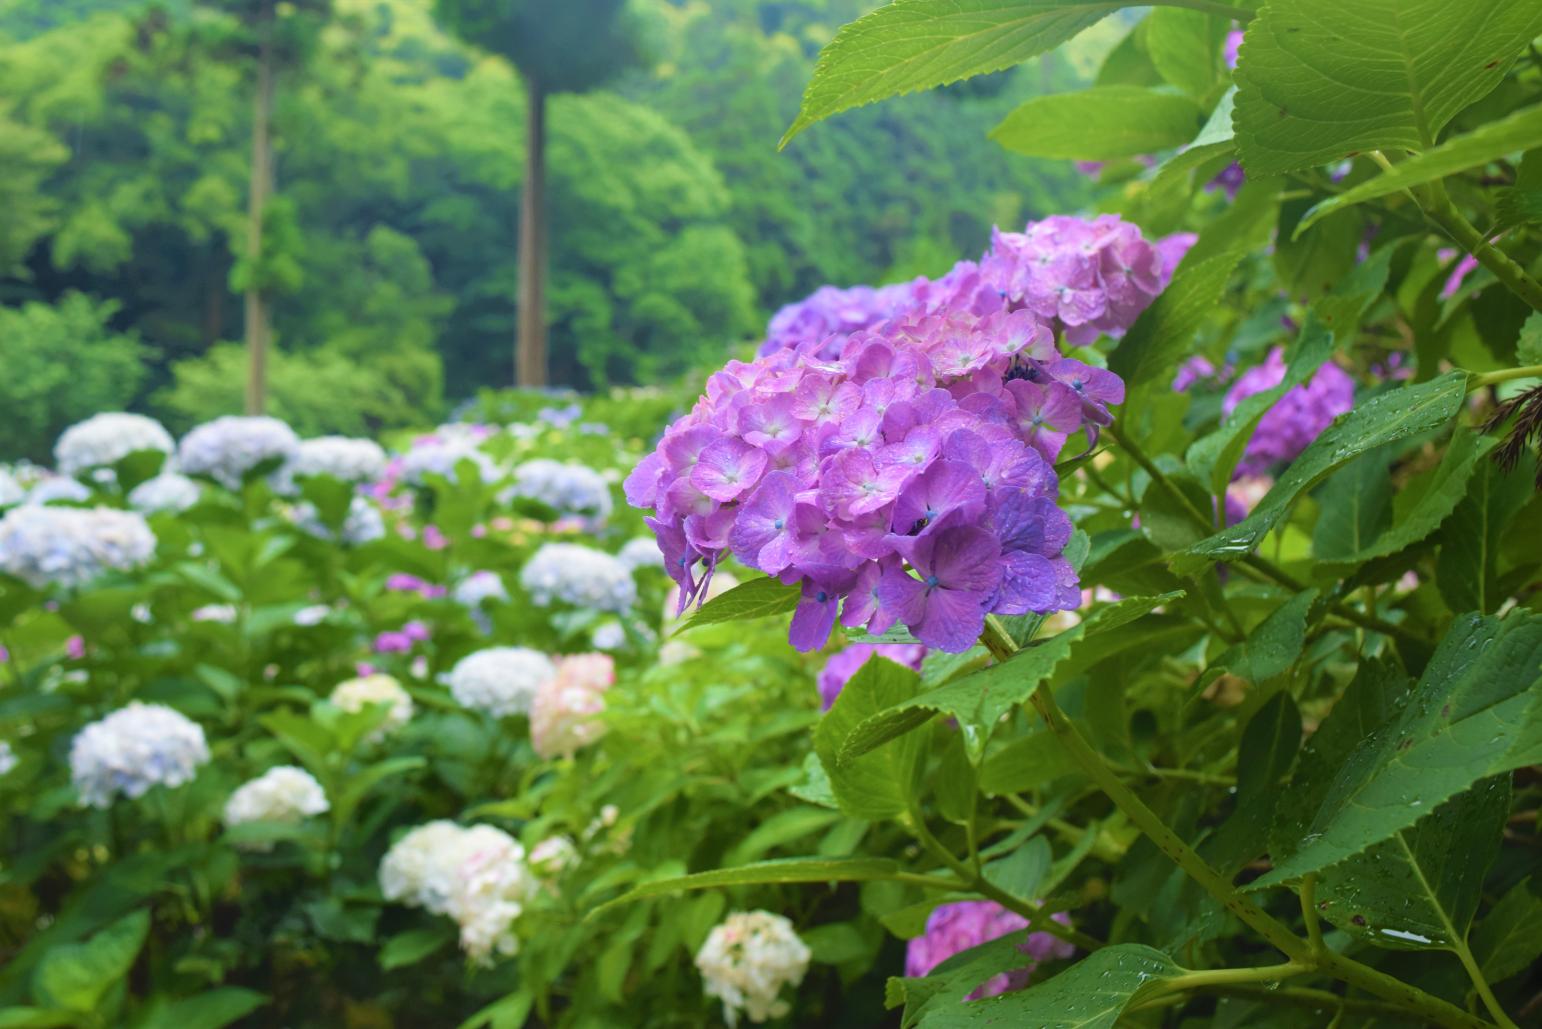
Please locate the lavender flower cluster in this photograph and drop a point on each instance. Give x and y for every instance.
(1296, 419)
(908, 478)
(954, 928)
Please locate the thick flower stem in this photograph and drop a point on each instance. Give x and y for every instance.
(1299, 952)
(1531, 371)
(1438, 205)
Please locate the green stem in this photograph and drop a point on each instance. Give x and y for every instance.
(1531, 371)
(1480, 983)
(1223, 977)
(1305, 995)
(1309, 913)
(1443, 212)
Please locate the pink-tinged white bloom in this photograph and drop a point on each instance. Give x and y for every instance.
(227, 448)
(489, 893)
(71, 546)
(105, 439)
(565, 714)
(746, 962)
(501, 681)
(133, 749)
(354, 695)
(553, 857)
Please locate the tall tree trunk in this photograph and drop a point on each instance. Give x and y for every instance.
(257, 325)
(530, 338)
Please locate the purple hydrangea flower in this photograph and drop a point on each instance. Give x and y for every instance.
(843, 664)
(954, 928)
(1296, 419)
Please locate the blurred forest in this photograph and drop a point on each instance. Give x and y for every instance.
(389, 247)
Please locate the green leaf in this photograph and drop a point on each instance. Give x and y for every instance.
(414, 945)
(1091, 994)
(213, 1009)
(1354, 507)
(1458, 726)
(1468, 569)
(1185, 47)
(876, 783)
(1420, 889)
(1026, 763)
(1388, 418)
(1509, 938)
(359, 785)
(917, 44)
(758, 598)
(77, 975)
(1528, 349)
(1319, 81)
(781, 828)
(1163, 335)
(1099, 124)
(978, 701)
(789, 870)
(1021, 871)
(1270, 649)
(37, 1018)
(1490, 142)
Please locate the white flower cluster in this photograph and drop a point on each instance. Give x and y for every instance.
(565, 715)
(168, 491)
(352, 695)
(52, 488)
(479, 586)
(133, 749)
(71, 546)
(746, 961)
(8, 758)
(553, 856)
(475, 875)
(229, 447)
(440, 453)
(578, 575)
(11, 489)
(500, 680)
(341, 457)
(364, 523)
(571, 489)
(642, 552)
(282, 794)
(106, 439)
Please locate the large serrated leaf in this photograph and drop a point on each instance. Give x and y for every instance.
(1509, 938)
(1099, 124)
(874, 784)
(1388, 418)
(76, 975)
(1320, 80)
(1461, 723)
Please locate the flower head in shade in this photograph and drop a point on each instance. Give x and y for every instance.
(501, 681)
(105, 439)
(69, 547)
(284, 794)
(359, 461)
(363, 524)
(572, 573)
(132, 749)
(354, 695)
(843, 664)
(169, 491)
(567, 488)
(489, 892)
(746, 962)
(954, 928)
(227, 448)
(1296, 419)
(564, 715)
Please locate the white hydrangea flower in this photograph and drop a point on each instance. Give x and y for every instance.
(746, 961)
(283, 794)
(72, 546)
(314, 614)
(580, 576)
(500, 681)
(438, 454)
(565, 715)
(341, 457)
(489, 893)
(567, 488)
(230, 446)
(479, 586)
(608, 636)
(168, 491)
(224, 614)
(8, 758)
(352, 695)
(11, 489)
(106, 439)
(421, 869)
(553, 856)
(642, 552)
(60, 488)
(133, 749)
(364, 523)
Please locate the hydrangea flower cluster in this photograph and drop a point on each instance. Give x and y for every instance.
(746, 961)
(564, 716)
(642, 552)
(830, 314)
(489, 892)
(133, 749)
(440, 452)
(479, 587)
(283, 794)
(954, 928)
(552, 857)
(353, 695)
(363, 524)
(11, 489)
(570, 489)
(227, 448)
(341, 457)
(421, 868)
(170, 492)
(501, 681)
(1296, 419)
(60, 488)
(578, 575)
(8, 758)
(843, 664)
(105, 439)
(71, 546)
